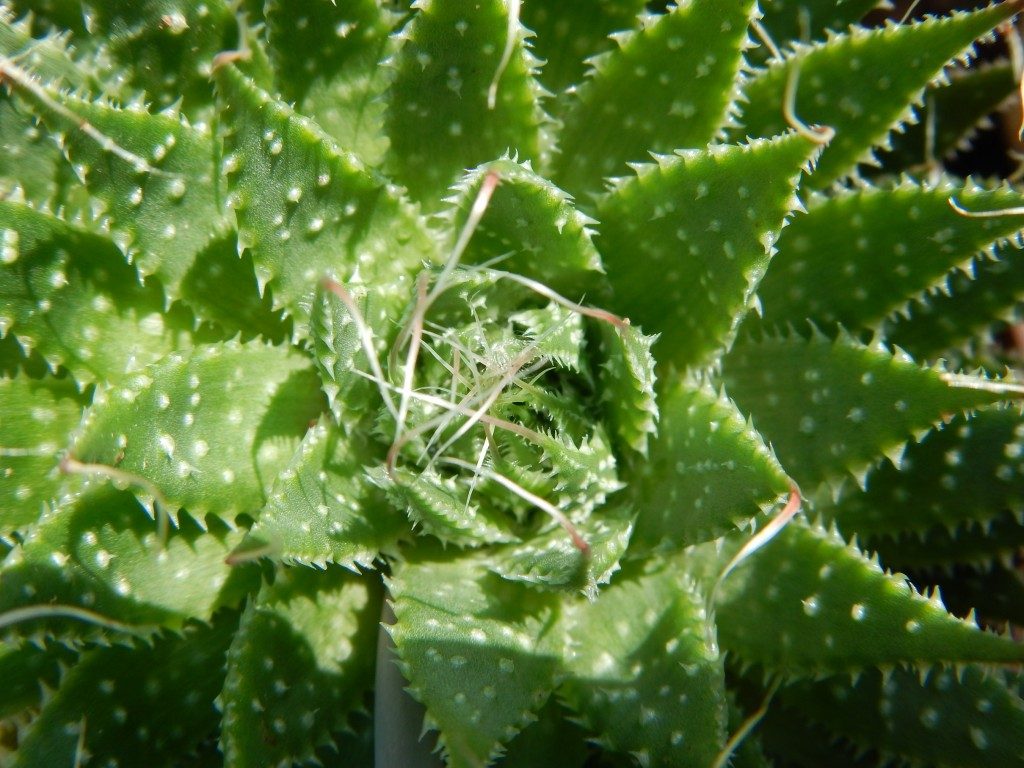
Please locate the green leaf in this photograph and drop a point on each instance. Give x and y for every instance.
(853, 84)
(438, 117)
(101, 552)
(549, 558)
(323, 508)
(440, 505)
(646, 673)
(860, 255)
(708, 473)
(222, 288)
(955, 110)
(479, 652)
(326, 57)
(149, 177)
(140, 707)
(687, 240)
(166, 46)
(966, 472)
(553, 733)
(832, 407)
(301, 660)
(27, 671)
(627, 385)
(308, 210)
(668, 86)
(938, 321)
(59, 287)
(808, 604)
(981, 546)
(208, 432)
(570, 32)
(30, 161)
(805, 20)
(533, 225)
(967, 719)
(36, 416)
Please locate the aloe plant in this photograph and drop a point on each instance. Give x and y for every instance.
(530, 384)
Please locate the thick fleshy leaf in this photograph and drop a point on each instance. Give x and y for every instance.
(326, 57)
(480, 652)
(570, 32)
(954, 111)
(553, 733)
(36, 417)
(149, 176)
(222, 288)
(646, 673)
(668, 86)
(532, 225)
(208, 432)
(970, 718)
(60, 286)
(308, 210)
(102, 553)
(832, 407)
(627, 384)
(942, 319)
(158, 699)
(322, 508)
(439, 118)
(982, 546)
(807, 20)
(965, 473)
(26, 671)
(550, 559)
(808, 604)
(301, 660)
(853, 84)
(167, 47)
(859, 255)
(441, 506)
(708, 472)
(686, 242)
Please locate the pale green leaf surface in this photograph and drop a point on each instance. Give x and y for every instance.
(301, 660)
(627, 380)
(438, 118)
(101, 552)
(646, 673)
(859, 255)
(327, 60)
(533, 226)
(211, 431)
(36, 416)
(549, 559)
(832, 407)
(667, 86)
(307, 209)
(708, 472)
(322, 508)
(860, 83)
(60, 286)
(687, 240)
(808, 604)
(152, 174)
(479, 652)
(969, 719)
(167, 47)
(158, 699)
